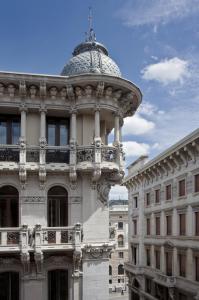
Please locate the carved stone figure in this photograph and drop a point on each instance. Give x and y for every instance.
(53, 92)
(88, 91)
(33, 91)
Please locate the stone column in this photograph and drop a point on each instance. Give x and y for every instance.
(162, 260)
(23, 110)
(76, 286)
(189, 264)
(175, 262)
(97, 123)
(43, 125)
(117, 130)
(73, 126)
(120, 129)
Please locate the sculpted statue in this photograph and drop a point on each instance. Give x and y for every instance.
(88, 91)
(53, 92)
(108, 92)
(33, 91)
(11, 90)
(78, 92)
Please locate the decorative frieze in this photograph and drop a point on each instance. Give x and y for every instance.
(91, 252)
(33, 199)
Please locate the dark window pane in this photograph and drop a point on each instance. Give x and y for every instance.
(63, 135)
(182, 188)
(9, 286)
(58, 285)
(15, 132)
(197, 183)
(168, 192)
(157, 196)
(197, 222)
(51, 134)
(3, 132)
(182, 224)
(57, 207)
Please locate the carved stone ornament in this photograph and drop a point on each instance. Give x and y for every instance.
(77, 260)
(73, 173)
(57, 261)
(25, 259)
(43, 89)
(9, 261)
(11, 90)
(22, 175)
(63, 93)
(88, 91)
(33, 199)
(103, 189)
(53, 92)
(78, 92)
(42, 175)
(70, 92)
(22, 88)
(100, 89)
(117, 94)
(96, 252)
(2, 88)
(39, 261)
(108, 92)
(32, 91)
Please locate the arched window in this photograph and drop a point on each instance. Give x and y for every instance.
(58, 285)
(120, 240)
(110, 270)
(9, 206)
(57, 207)
(9, 286)
(120, 270)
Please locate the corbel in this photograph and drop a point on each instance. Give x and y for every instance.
(183, 157)
(190, 153)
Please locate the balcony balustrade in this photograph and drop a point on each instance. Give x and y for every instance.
(109, 153)
(9, 153)
(85, 153)
(32, 154)
(57, 154)
(45, 238)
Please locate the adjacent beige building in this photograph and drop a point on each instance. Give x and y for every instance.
(164, 224)
(56, 170)
(118, 222)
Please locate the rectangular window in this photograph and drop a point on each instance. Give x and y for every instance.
(135, 227)
(148, 226)
(57, 132)
(134, 254)
(182, 264)
(148, 199)
(157, 259)
(148, 257)
(182, 221)
(157, 225)
(136, 202)
(181, 188)
(121, 254)
(196, 183)
(157, 196)
(197, 268)
(168, 263)
(120, 225)
(168, 192)
(148, 285)
(197, 223)
(169, 225)
(9, 129)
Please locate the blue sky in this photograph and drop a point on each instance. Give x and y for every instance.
(155, 43)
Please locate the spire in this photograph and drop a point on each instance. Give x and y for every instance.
(90, 35)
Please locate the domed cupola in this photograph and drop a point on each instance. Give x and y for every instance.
(91, 57)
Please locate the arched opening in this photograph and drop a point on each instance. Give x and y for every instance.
(9, 286)
(57, 207)
(120, 270)
(58, 285)
(9, 207)
(110, 270)
(120, 240)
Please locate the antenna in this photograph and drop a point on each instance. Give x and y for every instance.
(90, 35)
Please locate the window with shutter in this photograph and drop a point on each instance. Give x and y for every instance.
(148, 226)
(181, 188)
(169, 225)
(182, 264)
(182, 218)
(157, 223)
(169, 263)
(168, 192)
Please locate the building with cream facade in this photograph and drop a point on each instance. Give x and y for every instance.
(164, 224)
(56, 170)
(118, 222)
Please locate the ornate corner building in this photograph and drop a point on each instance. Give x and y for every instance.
(56, 170)
(118, 222)
(164, 224)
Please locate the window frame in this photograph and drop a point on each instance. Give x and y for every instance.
(9, 119)
(58, 121)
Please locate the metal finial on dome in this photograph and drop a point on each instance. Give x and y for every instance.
(90, 35)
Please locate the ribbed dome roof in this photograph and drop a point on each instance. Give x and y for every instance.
(91, 57)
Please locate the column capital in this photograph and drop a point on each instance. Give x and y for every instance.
(43, 109)
(23, 107)
(73, 110)
(97, 108)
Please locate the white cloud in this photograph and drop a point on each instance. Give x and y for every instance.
(157, 12)
(167, 71)
(118, 192)
(137, 125)
(132, 148)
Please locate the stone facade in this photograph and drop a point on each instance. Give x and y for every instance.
(56, 170)
(164, 205)
(118, 222)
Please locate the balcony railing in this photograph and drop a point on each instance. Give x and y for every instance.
(32, 154)
(57, 154)
(59, 235)
(85, 153)
(44, 238)
(9, 153)
(10, 236)
(109, 153)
